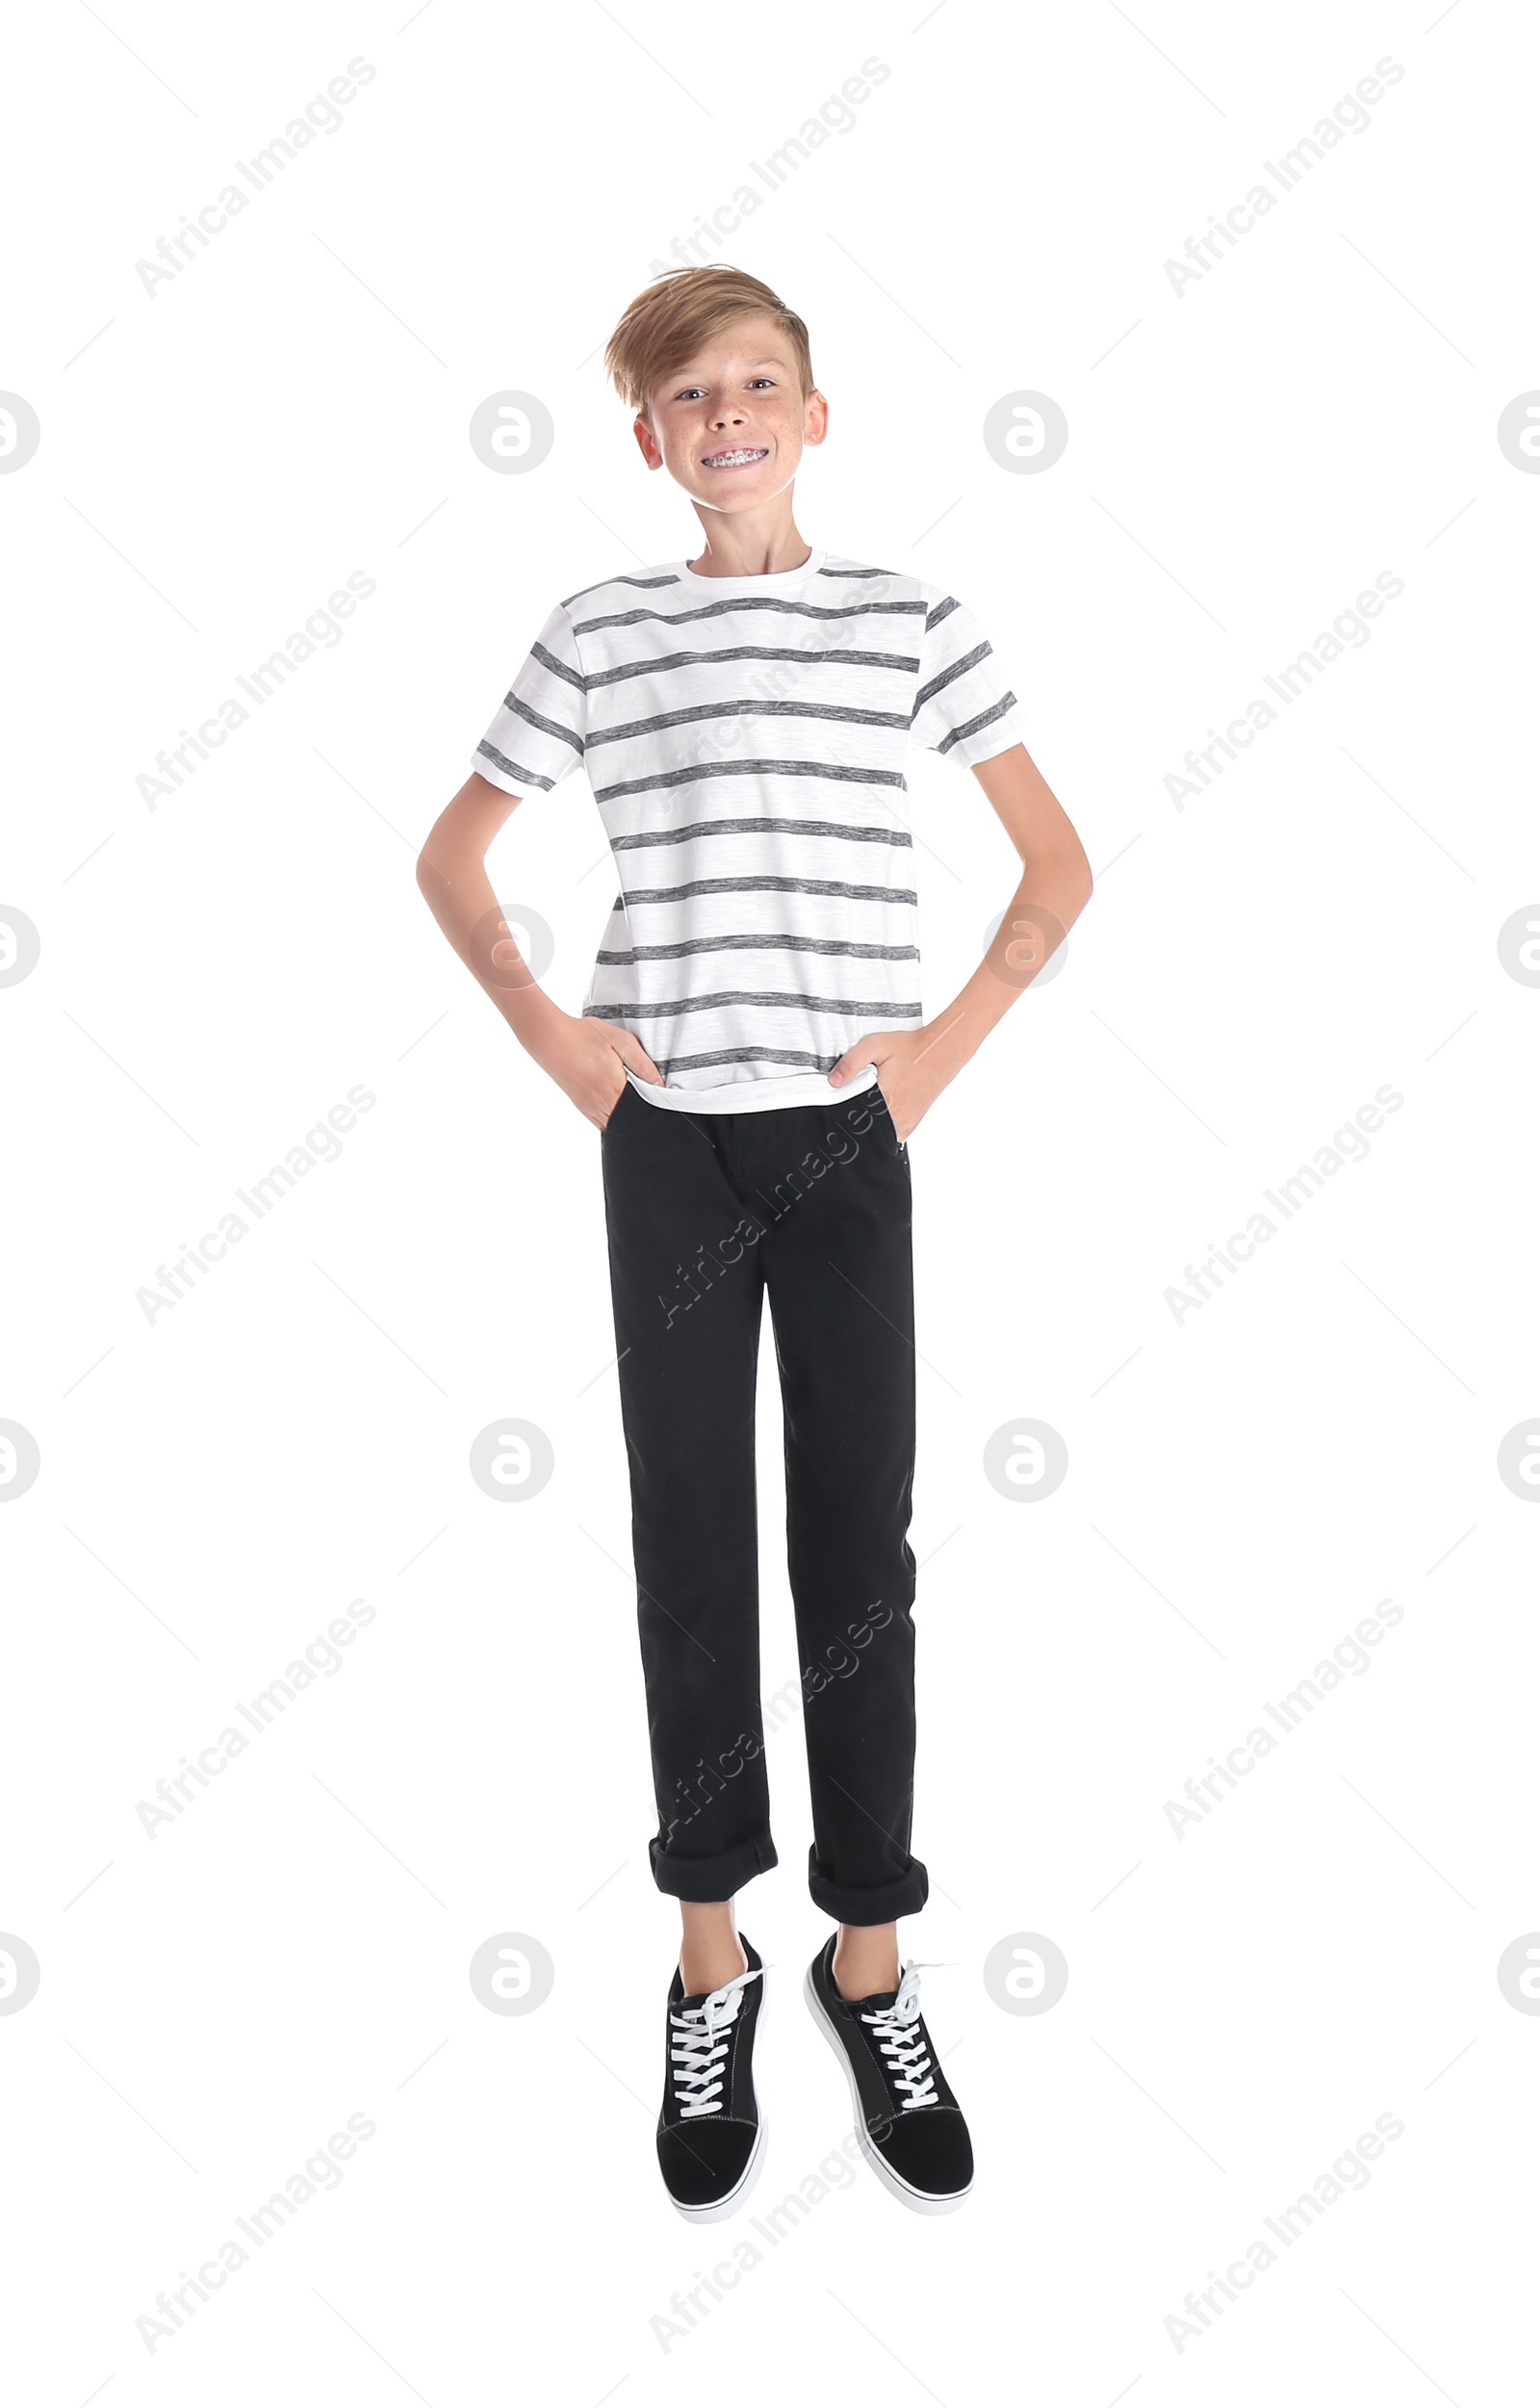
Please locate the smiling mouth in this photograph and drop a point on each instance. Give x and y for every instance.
(743, 456)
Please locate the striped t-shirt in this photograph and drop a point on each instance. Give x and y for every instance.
(745, 739)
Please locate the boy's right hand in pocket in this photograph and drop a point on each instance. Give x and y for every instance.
(589, 1058)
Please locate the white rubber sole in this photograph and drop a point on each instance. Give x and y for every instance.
(923, 2202)
(731, 2201)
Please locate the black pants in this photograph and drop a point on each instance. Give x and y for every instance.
(705, 1211)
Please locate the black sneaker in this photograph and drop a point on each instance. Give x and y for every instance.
(711, 2140)
(909, 2126)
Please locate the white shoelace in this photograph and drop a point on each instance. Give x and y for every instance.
(699, 2048)
(898, 2036)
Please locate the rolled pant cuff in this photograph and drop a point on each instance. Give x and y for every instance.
(885, 1904)
(706, 1881)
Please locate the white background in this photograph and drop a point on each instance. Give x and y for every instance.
(1244, 1484)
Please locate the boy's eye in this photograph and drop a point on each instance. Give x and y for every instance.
(690, 391)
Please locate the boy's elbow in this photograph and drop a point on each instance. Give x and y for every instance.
(1078, 881)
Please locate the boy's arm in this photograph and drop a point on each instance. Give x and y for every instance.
(585, 1057)
(914, 1064)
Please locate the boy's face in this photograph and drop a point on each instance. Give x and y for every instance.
(738, 395)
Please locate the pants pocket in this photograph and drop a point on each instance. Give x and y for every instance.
(896, 1144)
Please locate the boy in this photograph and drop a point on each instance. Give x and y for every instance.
(752, 1050)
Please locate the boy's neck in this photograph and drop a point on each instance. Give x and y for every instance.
(737, 550)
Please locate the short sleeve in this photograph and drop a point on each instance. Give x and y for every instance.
(964, 708)
(538, 733)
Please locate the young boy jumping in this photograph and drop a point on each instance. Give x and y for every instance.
(752, 1051)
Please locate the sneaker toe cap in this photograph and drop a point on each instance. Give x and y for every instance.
(702, 2158)
(930, 2150)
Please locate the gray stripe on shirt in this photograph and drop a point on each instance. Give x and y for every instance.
(958, 669)
(647, 667)
(837, 829)
(511, 769)
(971, 726)
(747, 707)
(734, 999)
(754, 602)
(748, 941)
(646, 584)
(751, 1053)
(636, 895)
(548, 727)
(697, 770)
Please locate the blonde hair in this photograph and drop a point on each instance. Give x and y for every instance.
(669, 321)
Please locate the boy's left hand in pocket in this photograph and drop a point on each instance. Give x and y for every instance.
(910, 1072)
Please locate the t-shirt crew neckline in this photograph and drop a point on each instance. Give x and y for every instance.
(770, 581)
